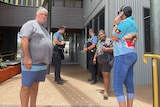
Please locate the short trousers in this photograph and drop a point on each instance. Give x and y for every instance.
(104, 67)
(103, 64)
(30, 77)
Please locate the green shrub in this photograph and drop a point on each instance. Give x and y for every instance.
(2, 64)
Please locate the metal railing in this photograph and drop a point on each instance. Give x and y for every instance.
(154, 78)
(32, 3)
(9, 54)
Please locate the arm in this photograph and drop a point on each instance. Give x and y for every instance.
(131, 36)
(90, 47)
(25, 49)
(55, 40)
(107, 49)
(116, 22)
(114, 38)
(95, 57)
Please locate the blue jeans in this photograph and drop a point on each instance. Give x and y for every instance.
(123, 74)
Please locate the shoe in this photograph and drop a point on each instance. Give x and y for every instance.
(93, 81)
(89, 79)
(55, 80)
(59, 82)
(105, 96)
(62, 79)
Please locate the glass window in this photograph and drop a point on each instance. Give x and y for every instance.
(147, 37)
(96, 25)
(30, 3)
(19, 2)
(88, 27)
(101, 21)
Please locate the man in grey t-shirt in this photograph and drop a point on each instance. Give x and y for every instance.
(36, 55)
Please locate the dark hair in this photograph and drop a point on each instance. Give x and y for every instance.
(102, 31)
(127, 10)
(62, 27)
(91, 29)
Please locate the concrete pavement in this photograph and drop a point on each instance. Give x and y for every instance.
(76, 91)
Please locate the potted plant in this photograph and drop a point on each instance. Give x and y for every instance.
(9, 69)
(2, 65)
(4, 71)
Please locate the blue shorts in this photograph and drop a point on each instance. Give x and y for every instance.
(34, 75)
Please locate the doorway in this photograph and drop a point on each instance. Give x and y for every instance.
(70, 50)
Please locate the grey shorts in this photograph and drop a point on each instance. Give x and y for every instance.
(103, 64)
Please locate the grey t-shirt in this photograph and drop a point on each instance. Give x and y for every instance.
(40, 46)
(107, 41)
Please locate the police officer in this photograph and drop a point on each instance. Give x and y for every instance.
(59, 44)
(91, 49)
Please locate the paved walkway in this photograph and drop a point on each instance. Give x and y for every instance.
(76, 91)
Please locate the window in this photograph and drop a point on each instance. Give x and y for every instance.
(68, 3)
(99, 22)
(147, 37)
(88, 27)
(96, 25)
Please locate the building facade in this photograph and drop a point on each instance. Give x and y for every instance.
(94, 10)
(79, 16)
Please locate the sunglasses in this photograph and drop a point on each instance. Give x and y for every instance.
(119, 12)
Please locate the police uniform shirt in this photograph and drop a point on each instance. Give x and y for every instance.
(92, 40)
(59, 36)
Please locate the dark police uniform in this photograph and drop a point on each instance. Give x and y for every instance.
(58, 56)
(92, 67)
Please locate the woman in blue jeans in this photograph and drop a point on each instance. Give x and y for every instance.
(124, 35)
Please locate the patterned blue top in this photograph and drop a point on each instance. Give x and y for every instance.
(126, 32)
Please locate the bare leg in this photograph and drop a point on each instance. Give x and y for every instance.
(106, 79)
(24, 96)
(129, 102)
(122, 104)
(33, 95)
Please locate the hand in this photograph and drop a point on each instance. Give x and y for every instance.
(117, 19)
(94, 61)
(63, 42)
(85, 49)
(27, 63)
(104, 49)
